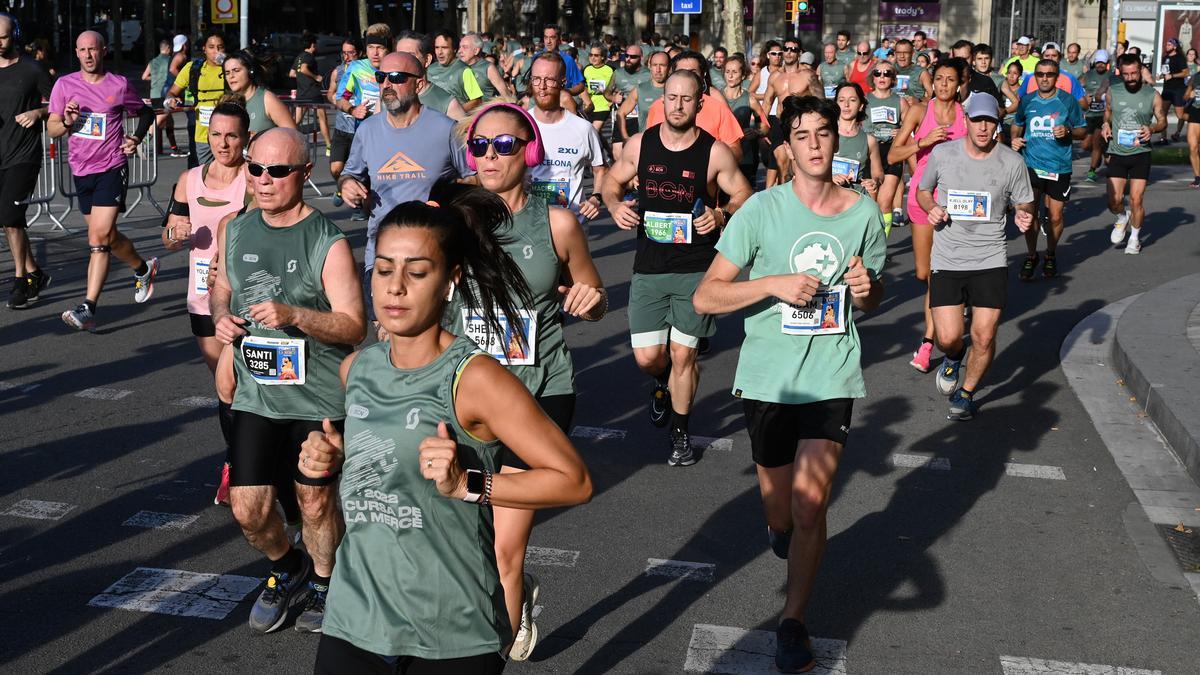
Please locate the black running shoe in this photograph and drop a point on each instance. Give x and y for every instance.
(1028, 267)
(1049, 268)
(681, 449)
(793, 648)
(312, 617)
(38, 283)
(18, 295)
(660, 405)
(281, 592)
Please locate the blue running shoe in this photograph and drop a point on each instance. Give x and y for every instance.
(271, 608)
(793, 649)
(312, 617)
(948, 376)
(962, 407)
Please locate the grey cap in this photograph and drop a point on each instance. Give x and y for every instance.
(808, 58)
(1100, 56)
(982, 105)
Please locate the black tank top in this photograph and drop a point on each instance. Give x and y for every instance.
(669, 183)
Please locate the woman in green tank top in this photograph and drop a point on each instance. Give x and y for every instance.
(426, 421)
(265, 109)
(884, 112)
(551, 250)
(857, 164)
(738, 96)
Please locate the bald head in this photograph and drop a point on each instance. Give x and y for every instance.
(90, 38)
(6, 24)
(403, 62)
(280, 145)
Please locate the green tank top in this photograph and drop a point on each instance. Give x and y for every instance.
(832, 75)
(437, 98)
(256, 107)
(416, 571)
(160, 70)
(853, 149)
(625, 82)
(647, 95)
(480, 70)
(283, 264)
(912, 86)
(883, 115)
(1130, 112)
(1077, 69)
(548, 370)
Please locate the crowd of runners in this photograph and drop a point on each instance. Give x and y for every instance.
(392, 423)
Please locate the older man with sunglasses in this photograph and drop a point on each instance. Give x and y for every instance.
(398, 156)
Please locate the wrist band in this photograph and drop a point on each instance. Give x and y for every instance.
(486, 500)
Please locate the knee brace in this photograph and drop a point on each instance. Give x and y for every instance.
(100, 249)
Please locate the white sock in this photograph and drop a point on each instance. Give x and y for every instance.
(1133, 233)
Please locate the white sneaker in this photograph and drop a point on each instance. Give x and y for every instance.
(1118, 232)
(1123, 218)
(1134, 246)
(143, 286)
(527, 634)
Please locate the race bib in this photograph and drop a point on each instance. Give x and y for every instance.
(634, 112)
(823, 315)
(884, 115)
(90, 126)
(830, 90)
(1127, 138)
(556, 191)
(846, 167)
(668, 228)
(596, 86)
(204, 114)
(274, 361)
(200, 266)
(969, 205)
(902, 83)
(1097, 105)
(1047, 175)
(507, 348)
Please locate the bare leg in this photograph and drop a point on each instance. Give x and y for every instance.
(984, 322)
(513, 527)
(254, 510)
(102, 231)
(1137, 207)
(1193, 139)
(922, 236)
(684, 379)
(323, 524)
(1054, 229)
(22, 252)
(210, 350)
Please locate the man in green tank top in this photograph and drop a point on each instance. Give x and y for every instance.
(451, 74)
(1132, 114)
(646, 92)
(487, 75)
(429, 93)
(287, 299)
(1096, 83)
(911, 79)
(627, 78)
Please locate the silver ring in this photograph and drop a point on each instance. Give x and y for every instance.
(429, 463)
(305, 460)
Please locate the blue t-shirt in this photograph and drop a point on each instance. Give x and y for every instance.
(574, 75)
(1039, 116)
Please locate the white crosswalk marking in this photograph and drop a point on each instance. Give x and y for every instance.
(737, 651)
(920, 462)
(1034, 471)
(707, 443)
(550, 557)
(197, 402)
(598, 433)
(37, 509)
(680, 569)
(103, 394)
(177, 592)
(1024, 665)
(160, 521)
(18, 387)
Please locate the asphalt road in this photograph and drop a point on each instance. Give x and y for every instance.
(945, 568)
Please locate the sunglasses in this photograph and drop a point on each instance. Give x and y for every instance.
(863, 53)
(395, 76)
(1045, 74)
(632, 56)
(350, 53)
(881, 73)
(776, 53)
(599, 56)
(791, 49)
(273, 170)
(505, 144)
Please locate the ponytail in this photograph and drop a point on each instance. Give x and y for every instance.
(469, 222)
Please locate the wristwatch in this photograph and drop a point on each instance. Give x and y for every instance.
(479, 487)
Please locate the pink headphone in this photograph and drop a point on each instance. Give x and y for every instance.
(534, 152)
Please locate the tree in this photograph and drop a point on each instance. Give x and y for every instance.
(733, 19)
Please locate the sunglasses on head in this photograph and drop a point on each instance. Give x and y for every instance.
(791, 49)
(273, 170)
(395, 76)
(505, 145)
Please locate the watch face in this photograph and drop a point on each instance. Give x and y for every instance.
(475, 482)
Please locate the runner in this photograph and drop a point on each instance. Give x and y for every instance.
(809, 245)
(451, 74)
(912, 80)
(204, 83)
(23, 86)
(358, 97)
(202, 197)
(966, 188)
(678, 167)
(858, 71)
(551, 41)
(923, 127)
(772, 56)
(791, 79)
(89, 106)
(1193, 130)
(286, 288)
(180, 47)
(430, 94)
(398, 156)
(599, 78)
(413, 394)
(548, 246)
(845, 55)
(975, 81)
(1045, 126)
(343, 124)
(885, 110)
(1065, 82)
(715, 117)
(643, 96)
(1013, 75)
(487, 75)
(739, 102)
(1173, 71)
(571, 145)
(856, 164)
(1096, 84)
(1021, 55)
(1074, 65)
(265, 109)
(1132, 114)
(716, 71)
(157, 73)
(626, 80)
(830, 72)
(308, 86)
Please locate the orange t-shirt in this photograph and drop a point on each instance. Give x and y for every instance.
(715, 117)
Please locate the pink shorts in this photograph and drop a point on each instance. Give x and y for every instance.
(916, 214)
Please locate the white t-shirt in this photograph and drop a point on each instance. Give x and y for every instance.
(572, 144)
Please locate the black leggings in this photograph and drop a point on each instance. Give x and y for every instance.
(335, 657)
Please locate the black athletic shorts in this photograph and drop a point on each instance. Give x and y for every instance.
(631, 125)
(16, 186)
(560, 408)
(1136, 167)
(339, 146)
(977, 288)
(266, 451)
(102, 189)
(202, 325)
(1093, 124)
(598, 116)
(1174, 97)
(1193, 114)
(336, 656)
(896, 169)
(1058, 189)
(776, 428)
(777, 134)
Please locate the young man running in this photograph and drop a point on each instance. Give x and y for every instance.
(90, 107)
(678, 167)
(1045, 126)
(1132, 114)
(976, 179)
(1096, 83)
(814, 251)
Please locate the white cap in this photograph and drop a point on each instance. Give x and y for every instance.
(981, 104)
(1052, 45)
(1023, 40)
(180, 41)
(1100, 56)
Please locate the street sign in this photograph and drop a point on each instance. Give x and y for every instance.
(224, 11)
(685, 6)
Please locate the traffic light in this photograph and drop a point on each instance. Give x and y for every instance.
(792, 8)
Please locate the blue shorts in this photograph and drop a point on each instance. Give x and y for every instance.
(102, 189)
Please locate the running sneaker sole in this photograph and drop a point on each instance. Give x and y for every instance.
(946, 386)
(295, 598)
(685, 460)
(532, 591)
(68, 318)
(919, 368)
(660, 420)
(960, 416)
(1117, 235)
(149, 281)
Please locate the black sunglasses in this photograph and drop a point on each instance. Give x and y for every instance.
(863, 53)
(395, 76)
(881, 73)
(505, 145)
(1045, 74)
(273, 170)
(791, 49)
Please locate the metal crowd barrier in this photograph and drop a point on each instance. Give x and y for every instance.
(308, 117)
(142, 175)
(47, 185)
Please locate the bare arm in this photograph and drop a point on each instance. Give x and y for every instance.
(175, 234)
(729, 177)
(617, 179)
(584, 289)
(626, 107)
(1160, 115)
(345, 323)
(455, 110)
(498, 82)
(904, 145)
(927, 82)
(277, 111)
(720, 293)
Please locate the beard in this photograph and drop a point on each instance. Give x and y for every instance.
(398, 105)
(1134, 88)
(632, 69)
